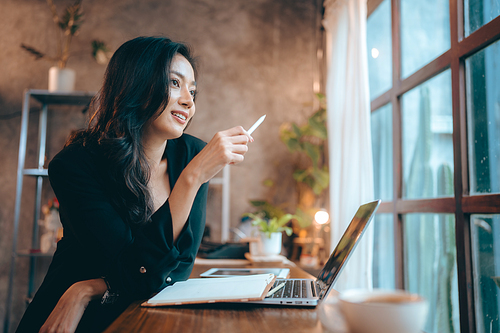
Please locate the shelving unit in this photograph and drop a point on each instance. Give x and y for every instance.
(224, 181)
(45, 98)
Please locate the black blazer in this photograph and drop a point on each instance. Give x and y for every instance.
(136, 260)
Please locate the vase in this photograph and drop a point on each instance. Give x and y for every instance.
(61, 79)
(270, 245)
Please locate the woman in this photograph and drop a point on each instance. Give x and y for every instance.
(132, 190)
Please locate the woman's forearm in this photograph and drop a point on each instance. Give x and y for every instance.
(89, 290)
(70, 308)
(181, 199)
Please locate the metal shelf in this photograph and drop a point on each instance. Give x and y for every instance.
(28, 253)
(224, 181)
(45, 98)
(36, 172)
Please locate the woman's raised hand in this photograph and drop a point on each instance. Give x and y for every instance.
(226, 147)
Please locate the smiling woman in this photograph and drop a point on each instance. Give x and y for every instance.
(132, 189)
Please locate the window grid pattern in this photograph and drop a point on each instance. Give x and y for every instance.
(462, 204)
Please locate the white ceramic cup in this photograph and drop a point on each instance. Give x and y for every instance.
(383, 311)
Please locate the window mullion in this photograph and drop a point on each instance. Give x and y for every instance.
(396, 123)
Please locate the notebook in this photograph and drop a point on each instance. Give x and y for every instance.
(224, 289)
(308, 292)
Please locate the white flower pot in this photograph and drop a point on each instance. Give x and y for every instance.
(270, 246)
(61, 79)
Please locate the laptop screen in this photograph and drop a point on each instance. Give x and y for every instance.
(345, 246)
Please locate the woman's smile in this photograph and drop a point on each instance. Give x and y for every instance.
(180, 116)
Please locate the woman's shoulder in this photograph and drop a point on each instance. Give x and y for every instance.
(75, 155)
(75, 152)
(187, 143)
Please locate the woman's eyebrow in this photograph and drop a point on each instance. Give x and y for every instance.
(182, 77)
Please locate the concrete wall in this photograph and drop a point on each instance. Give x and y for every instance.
(256, 57)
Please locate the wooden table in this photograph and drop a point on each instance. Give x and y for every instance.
(224, 317)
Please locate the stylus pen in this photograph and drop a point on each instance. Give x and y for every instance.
(275, 289)
(257, 123)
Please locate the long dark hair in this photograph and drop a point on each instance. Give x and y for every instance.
(135, 91)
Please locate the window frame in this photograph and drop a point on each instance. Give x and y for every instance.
(462, 204)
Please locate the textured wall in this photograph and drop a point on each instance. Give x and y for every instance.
(256, 57)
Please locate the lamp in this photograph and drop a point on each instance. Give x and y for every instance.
(321, 217)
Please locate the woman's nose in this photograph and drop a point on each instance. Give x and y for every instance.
(186, 98)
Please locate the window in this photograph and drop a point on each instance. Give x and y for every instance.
(436, 151)
(486, 263)
(427, 139)
(378, 39)
(483, 112)
(430, 267)
(425, 32)
(478, 13)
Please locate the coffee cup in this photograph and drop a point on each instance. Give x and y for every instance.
(383, 311)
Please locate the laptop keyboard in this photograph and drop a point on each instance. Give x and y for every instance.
(292, 289)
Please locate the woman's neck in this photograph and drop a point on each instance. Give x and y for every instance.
(154, 152)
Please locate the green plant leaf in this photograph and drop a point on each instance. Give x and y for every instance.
(288, 230)
(293, 145)
(322, 177)
(257, 203)
(303, 218)
(268, 183)
(37, 54)
(299, 175)
(296, 130)
(284, 219)
(318, 125)
(313, 152)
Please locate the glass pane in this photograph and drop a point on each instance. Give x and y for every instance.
(430, 267)
(381, 124)
(378, 43)
(383, 252)
(478, 13)
(425, 33)
(427, 132)
(486, 266)
(483, 111)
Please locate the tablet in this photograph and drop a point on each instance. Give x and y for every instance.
(281, 273)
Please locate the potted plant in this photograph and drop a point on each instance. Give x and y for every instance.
(311, 171)
(271, 222)
(62, 78)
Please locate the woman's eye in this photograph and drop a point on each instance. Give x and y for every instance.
(193, 93)
(175, 83)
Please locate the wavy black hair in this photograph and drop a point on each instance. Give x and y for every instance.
(135, 91)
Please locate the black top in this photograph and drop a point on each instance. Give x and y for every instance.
(136, 260)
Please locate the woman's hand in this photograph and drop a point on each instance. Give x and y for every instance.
(226, 147)
(71, 306)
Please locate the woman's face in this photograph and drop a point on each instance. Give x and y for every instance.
(180, 109)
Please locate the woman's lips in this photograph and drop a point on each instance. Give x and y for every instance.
(180, 116)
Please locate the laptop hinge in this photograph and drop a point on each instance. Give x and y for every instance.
(321, 288)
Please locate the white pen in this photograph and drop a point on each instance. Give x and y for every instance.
(278, 287)
(257, 123)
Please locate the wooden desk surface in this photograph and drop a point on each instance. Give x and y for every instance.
(220, 317)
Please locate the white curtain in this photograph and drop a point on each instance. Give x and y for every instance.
(349, 134)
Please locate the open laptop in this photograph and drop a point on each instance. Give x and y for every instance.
(307, 292)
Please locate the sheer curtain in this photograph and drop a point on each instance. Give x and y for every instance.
(349, 132)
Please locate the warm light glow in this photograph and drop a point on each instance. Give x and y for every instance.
(375, 53)
(321, 217)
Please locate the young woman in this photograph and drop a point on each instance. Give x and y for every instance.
(132, 190)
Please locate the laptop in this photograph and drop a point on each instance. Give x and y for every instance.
(308, 292)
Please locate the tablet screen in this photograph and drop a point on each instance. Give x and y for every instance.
(225, 272)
